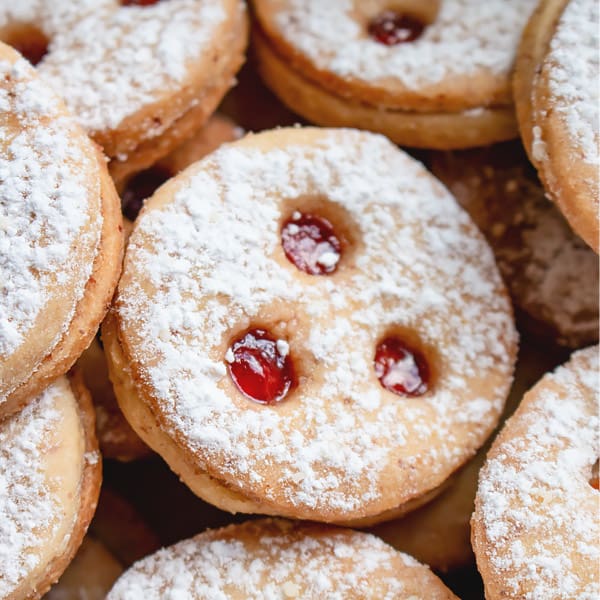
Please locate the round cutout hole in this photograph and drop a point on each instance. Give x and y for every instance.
(139, 2)
(401, 368)
(261, 367)
(391, 27)
(595, 478)
(26, 39)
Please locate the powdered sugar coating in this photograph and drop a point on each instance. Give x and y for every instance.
(463, 39)
(110, 61)
(207, 265)
(535, 504)
(46, 188)
(573, 76)
(29, 512)
(278, 560)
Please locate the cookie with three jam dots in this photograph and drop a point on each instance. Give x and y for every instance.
(90, 576)
(438, 533)
(557, 98)
(273, 558)
(217, 130)
(536, 526)
(61, 235)
(551, 273)
(308, 325)
(50, 471)
(425, 74)
(140, 75)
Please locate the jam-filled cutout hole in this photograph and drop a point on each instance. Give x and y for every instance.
(139, 2)
(261, 366)
(391, 28)
(317, 235)
(26, 39)
(401, 365)
(595, 477)
(140, 187)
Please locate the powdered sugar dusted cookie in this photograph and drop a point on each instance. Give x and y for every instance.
(426, 74)
(558, 100)
(280, 560)
(50, 473)
(141, 77)
(551, 273)
(536, 527)
(308, 325)
(61, 237)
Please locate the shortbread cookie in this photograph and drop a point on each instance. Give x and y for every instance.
(50, 471)
(557, 97)
(61, 236)
(551, 273)
(308, 325)
(90, 576)
(426, 74)
(280, 559)
(140, 76)
(536, 526)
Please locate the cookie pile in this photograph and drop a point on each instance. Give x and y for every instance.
(303, 322)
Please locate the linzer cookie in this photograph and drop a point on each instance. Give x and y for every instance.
(550, 271)
(280, 559)
(61, 235)
(557, 98)
(425, 74)
(141, 76)
(308, 325)
(50, 473)
(536, 527)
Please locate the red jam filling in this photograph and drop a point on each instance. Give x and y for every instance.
(401, 369)
(138, 2)
(33, 48)
(261, 367)
(140, 187)
(391, 28)
(310, 243)
(595, 478)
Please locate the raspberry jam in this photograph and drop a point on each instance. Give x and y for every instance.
(140, 187)
(261, 367)
(32, 48)
(310, 243)
(138, 2)
(595, 478)
(401, 369)
(391, 28)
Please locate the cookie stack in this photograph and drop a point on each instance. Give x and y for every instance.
(306, 323)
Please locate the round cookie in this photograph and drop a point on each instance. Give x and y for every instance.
(140, 76)
(280, 559)
(551, 273)
(556, 94)
(443, 82)
(90, 576)
(536, 526)
(61, 242)
(50, 472)
(412, 299)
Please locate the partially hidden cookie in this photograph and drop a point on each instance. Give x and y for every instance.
(425, 74)
(309, 326)
(90, 576)
(280, 560)
(141, 76)
(61, 235)
(536, 526)
(558, 99)
(50, 471)
(552, 274)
